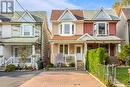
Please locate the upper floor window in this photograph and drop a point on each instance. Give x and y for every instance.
(101, 28)
(27, 30)
(67, 28)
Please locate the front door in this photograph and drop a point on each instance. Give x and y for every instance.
(78, 52)
(16, 52)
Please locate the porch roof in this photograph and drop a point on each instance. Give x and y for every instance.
(21, 40)
(100, 39)
(65, 37)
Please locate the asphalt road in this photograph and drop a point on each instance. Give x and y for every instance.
(15, 79)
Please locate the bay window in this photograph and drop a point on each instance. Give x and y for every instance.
(66, 29)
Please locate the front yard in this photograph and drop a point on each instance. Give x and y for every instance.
(123, 76)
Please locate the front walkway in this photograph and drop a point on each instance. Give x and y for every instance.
(62, 79)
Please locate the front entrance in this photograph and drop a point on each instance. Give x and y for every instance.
(78, 49)
(15, 51)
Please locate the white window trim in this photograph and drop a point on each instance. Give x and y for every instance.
(63, 34)
(97, 30)
(22, 30)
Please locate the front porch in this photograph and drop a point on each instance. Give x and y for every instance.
(65, 54)
(15, 54)
(68, 54)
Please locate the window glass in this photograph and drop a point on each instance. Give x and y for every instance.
(101, 28)
(61, 48)
(73, 29)
(66, 49)
(66, 28)
(61, 29)
(27, 30)
(78, 50)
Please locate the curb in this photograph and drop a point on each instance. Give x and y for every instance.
(96, 79)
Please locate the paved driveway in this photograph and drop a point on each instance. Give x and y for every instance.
(15, 79)
(62, 79)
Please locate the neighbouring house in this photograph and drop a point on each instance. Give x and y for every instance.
(124, 25)
(76, 31)
(24, 34)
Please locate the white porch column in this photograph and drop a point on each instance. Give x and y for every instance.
(33, 49)
(52, 52)
(85, 51)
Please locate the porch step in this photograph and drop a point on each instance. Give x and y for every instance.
(80, 65)
(62, 69)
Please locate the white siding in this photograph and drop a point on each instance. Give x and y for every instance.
(6, 31)
(1, 50)
(122, 28)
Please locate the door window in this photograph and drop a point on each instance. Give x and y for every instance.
(78, 49)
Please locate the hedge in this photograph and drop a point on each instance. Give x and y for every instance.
(96, 59)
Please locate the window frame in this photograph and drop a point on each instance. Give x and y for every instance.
(96, 25)
(63, 49)
(62, 29)
(32, 33)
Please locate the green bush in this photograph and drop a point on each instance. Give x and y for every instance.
(96, 59)
(50, 65)
(72, 65)
(10, 68)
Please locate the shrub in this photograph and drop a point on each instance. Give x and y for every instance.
(72, 65)
(40, 64)
(10, 68)
(50, 65)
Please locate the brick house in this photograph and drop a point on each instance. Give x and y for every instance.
(76, 31)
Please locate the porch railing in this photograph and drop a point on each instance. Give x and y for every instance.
(31, 60)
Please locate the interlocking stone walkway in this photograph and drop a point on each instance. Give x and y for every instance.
(63, 79)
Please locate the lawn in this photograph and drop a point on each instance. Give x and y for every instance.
(123, 76)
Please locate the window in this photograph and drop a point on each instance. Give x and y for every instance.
(27, 30)
(101, 28)
(64, 49)
(7, 7)
(66, 29)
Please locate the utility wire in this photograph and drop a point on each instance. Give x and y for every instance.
(23, 8)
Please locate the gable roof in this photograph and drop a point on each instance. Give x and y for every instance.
(102, 15)
(27, 17)
(126, 12)
(57, 13)
(69, 15)
(90, 14)
(39, 16)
